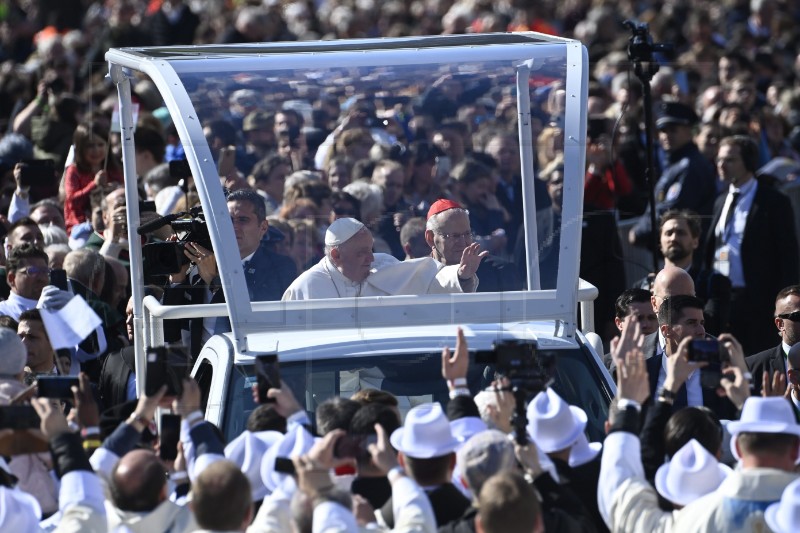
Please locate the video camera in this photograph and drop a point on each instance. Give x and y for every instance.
(164, 258)
(529, 371)
(640, 45)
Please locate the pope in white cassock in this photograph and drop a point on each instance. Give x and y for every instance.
(349, 269)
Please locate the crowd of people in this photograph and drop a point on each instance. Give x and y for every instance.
(354, 192)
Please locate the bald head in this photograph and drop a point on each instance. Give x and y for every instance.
(138, 482)
(671, 281)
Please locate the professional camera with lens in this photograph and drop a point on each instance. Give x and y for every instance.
(529, 371)
(164, 258)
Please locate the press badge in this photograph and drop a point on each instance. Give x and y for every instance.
(722, 262)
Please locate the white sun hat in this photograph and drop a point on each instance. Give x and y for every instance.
(784, 516)
(425, 434)
(692, 473)
(553, 423)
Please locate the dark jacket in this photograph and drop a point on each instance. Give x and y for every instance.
(769, 261)
(495, 274)
(767, 361)
(448, 503)
(689, 182)
(117, 369)
(267, 274)
(582, 481)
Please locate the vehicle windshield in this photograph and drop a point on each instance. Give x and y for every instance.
(450, 129)
(413, 378)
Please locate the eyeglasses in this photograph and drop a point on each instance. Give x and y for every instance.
(35, 271)
(467, 236)
(794, 317)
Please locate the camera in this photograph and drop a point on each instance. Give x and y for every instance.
(521, 363)
(641, 46)
(164, 258)
(529, 371)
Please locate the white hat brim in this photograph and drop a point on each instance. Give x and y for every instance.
(585, 454)
(686, 495)
(465, 428)
(552, 445)
(771, 518)
(735, 427)
(422, 452)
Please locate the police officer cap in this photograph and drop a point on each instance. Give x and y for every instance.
(675, 113)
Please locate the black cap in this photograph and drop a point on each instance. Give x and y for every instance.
(676, 113)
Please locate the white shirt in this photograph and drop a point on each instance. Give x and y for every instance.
(694, 391)
(731, 236)
(388, 276)
(16, 305)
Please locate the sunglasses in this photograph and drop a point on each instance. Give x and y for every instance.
(794, 317)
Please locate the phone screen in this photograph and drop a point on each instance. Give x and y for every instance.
(353, 446)
(169, 437)
(704, 350)
(284, 465)
(59, 387)
(166, 365)
(268, 376)
(227, 161)
(37, 172)
(58, 278)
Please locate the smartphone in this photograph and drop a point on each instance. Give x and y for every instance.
(443, 166)
(37, 172)
(58, 278)
(147, 206)
(179, 168)
(19, 417)
(284, 465)
(353, 446)
(166, 365)
(227, 161)
(704, 351)
(268, 376)
(711, 375)
(58, 387)
(169, 437)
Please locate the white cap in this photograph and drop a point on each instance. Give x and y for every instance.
(342, 230)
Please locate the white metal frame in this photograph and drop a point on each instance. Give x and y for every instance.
(559, 304)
